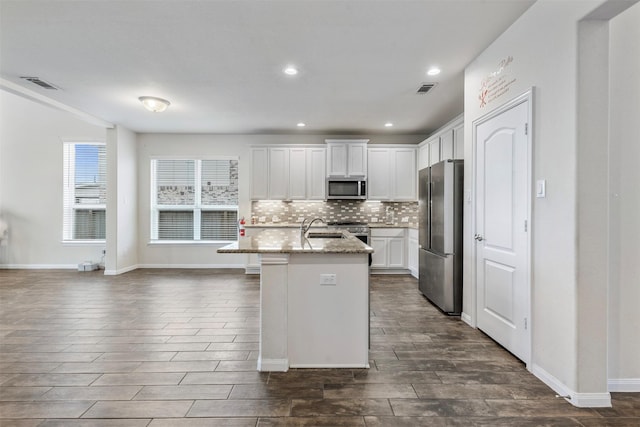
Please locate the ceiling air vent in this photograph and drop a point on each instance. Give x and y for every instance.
(426, 87)
(40, 82)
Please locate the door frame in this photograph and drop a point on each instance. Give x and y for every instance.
(527, 96)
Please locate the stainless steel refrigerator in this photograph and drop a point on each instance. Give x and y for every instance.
(440, 234)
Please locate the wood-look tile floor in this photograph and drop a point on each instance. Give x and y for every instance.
(179, 347)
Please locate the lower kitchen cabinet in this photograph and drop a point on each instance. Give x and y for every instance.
(390, 250)
(412, 259)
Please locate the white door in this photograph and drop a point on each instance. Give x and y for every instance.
(502, 246)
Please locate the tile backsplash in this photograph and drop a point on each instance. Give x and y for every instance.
(275, 211)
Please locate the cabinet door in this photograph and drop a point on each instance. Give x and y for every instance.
(297, 173)
(316, 173)
(405, 174)
(446, 145)
(423, 156)
(259, 174)
(434, 152)
(379, 179)
(412, 252)
(278, 173)
(357, 158)
(458, 142)
(396, 252)
(336, 159)
(379, 256)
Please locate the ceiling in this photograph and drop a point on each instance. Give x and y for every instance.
(220, 62)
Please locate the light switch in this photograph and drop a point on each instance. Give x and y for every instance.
(541, 188)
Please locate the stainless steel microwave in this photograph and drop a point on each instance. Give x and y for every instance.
(346, 188)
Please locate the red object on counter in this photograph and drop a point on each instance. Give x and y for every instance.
(241, 229)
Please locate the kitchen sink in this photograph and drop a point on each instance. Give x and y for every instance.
(320, 235)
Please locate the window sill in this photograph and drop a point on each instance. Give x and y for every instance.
(218, 243)
(84, 242)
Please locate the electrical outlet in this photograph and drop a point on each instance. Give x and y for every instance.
(328, 279)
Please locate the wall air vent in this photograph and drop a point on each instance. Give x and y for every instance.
(426, 87)
(40, 82)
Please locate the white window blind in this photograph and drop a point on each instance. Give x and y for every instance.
(194, 199)
(85, 191)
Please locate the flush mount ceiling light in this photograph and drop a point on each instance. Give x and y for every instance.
(290, 70)
(301, 125)
(433, 71)
(153, 104)
(388, 125)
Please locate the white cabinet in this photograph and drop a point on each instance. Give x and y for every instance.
(446, 143)
(288, 173)
(346, 157)
(316, 173)
(259, 173)
(279, 173)
(412, 252)
(392, 173)
(458, 141)
(390, 249)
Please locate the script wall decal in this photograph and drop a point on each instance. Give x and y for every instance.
(497, 83)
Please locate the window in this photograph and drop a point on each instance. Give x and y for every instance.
(194, 200)
(85, 191)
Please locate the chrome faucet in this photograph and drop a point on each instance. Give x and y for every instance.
(304, 229)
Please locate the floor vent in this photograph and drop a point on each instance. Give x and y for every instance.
(426, 87)
(40, 82)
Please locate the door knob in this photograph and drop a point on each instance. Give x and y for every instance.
(478, 237)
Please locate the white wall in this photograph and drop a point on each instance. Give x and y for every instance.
(568, 304)
(624, 202)
(122, 203)
(31, 142)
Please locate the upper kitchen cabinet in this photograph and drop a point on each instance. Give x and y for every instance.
(393, 174)
(288, 173)
(445, 143)
(347, 157)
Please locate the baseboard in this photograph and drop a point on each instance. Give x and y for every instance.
(390, 271)
(38, 266)
(121, 270)
(193, 266)
(466, 318)
(273, 365)
(252, 270)
(580, 400)
(414, 272)
(624, 385)
(334, 366)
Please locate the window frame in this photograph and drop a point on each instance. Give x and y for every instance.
(197, 208)
(69, 205)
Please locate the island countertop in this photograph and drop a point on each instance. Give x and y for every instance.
(291, 241)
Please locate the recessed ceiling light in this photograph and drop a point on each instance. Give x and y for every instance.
(153, 104)
(301, 125)
(388, 125)
(433, 71)
(290, 70)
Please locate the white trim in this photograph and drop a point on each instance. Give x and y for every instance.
(218, 243)
(273, 365)
(194, 266)
(625, 385)
(97, 242)
(121, 270)
(383, 271)
(329, 366)
(580, 400)
(252, 270)
(466, 318)
(38, 266)
(274, 259)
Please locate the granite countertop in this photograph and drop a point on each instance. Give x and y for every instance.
(290, 241)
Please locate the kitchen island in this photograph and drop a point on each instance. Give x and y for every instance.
(314, 298)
